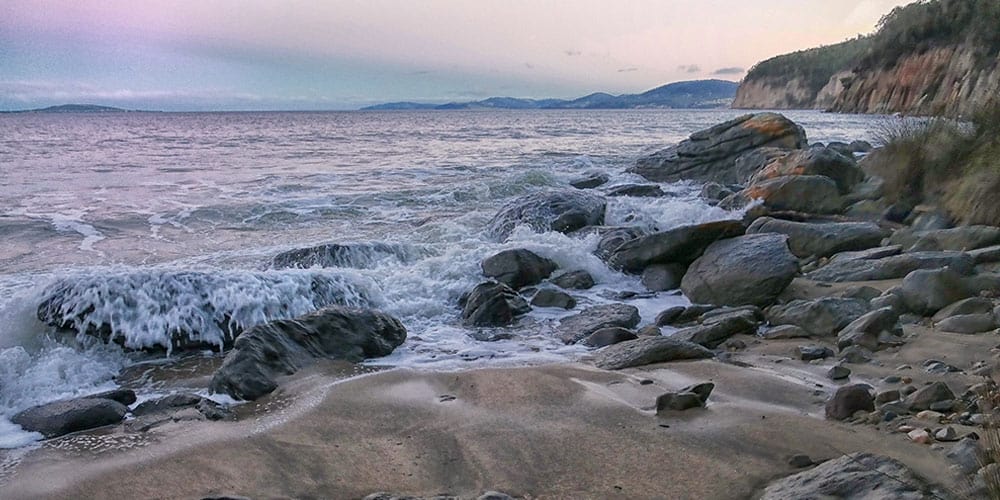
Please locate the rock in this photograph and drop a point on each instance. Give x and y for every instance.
(985, 255)
(579, 326)
(865, 293)
(283, 347)
(518, 268)
(608, 336)
(926, 291)
(813, 194)
(123, 396)
(959, 239)
(63, 417)
(716, 330)
(920, 436)
(351, 255)
(649, 331)
(680, 245)
(494, 495)
(858, 476)
(929, 415)
(548, 297)
(493, 304)
(891, 299)
(869, 254)
(735, 345)
(870, 210)
(715, 192)
(969, 455)
(784, 332)
(663, 277)
(821, 239)
(838, 372)
(822, 317)
(648, 350)
(563, 211)
(669, 315)
(849, 399)
(930, 220)
(167, 403)
(613, 238)
(887, 396)
(637, 190)
(590, 180)
(753, 313)
(711, 154)
(973, 305)
(752, 269)
(871, 189)
(800, 461)
(693, 312)
(827, 162)
(860, 146)
(812, 352)
(968, 323)
(677, 401)
(927, 395)
(856, 354)
(946, 434)
(893, 267)
(870, 330)
(573, 280)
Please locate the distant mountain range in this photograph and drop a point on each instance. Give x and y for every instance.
(73, 108)
(691, 94)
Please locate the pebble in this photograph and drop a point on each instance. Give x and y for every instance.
(942, 406)
(838, 372)
(892, 379)
(946, 434)
(903, 367)
(930, 415)
(919, 436)
(905, 428)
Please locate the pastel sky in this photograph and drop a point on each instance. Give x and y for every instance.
(298, 54)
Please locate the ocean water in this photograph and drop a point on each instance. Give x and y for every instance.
(158, 223)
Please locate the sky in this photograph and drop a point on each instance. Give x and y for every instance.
(342, 54)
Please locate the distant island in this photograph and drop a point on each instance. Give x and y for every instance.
(690, 94)
(73, 108)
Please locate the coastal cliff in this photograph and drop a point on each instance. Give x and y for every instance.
(929, 58)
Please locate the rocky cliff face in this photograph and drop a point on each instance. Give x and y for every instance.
(953, 80)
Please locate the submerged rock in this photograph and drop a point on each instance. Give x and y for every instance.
(72, 415)
(518, 268)
(858, 476)
(590, 180)
(548, 297)
(493, 304)
(352, 255)
(573, 280)
(748, 270)
(579, 326)
(563, 211)
(648, 350)
(679, 245)
(637, 191)
(711, 154)
(822, 239)
(282, 347)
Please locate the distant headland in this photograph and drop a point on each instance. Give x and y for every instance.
(74, 108)
(689, 94)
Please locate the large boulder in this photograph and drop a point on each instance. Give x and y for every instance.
(927, 291)
(579, 326)
(814, 194)
(614, 237)
(353, 255)
(893, 267)
(849, 399)
(518, 268)
(822, 317)
(859, 476)
(648, 350)
(822, 239)
(71, 415)
(493, 304)
(959, 238)
(267, 351)
(711, 154)
(563, 211)
(748, 270)
(679, 245)
(843, 170)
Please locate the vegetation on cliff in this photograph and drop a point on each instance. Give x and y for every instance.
(814, 67)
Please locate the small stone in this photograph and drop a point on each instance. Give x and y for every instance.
(810, 353)
(905, 428)
(903, 367)
(946, 434)
(645, 381)
(943, 406)
(703, 390)
(919, 436)
(800, 461)
(906, 380)
(892, 379)
(649, 331)
(735, 345)
(889, 416)
(907, 390)
(930, 415)
(856, 354)
(838, 372)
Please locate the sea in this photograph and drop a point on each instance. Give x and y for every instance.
(164, 222)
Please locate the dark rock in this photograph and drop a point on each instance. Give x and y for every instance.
(973, 305)
(573, 280)
(649, 331)
(123, 396)
(518, 268)
(735, 345)
(838, 372)
(813, 194)
(856, 354)
(860, 146)
(677, 401)
(858, 476)
(167, 403)
(637, 191)
(351, 255)
(930, 221)
(927, 395)
(716, 330)
(893, 267)
(841, 169)
(986, 255)
(822, 317)
(800, 461)
(590, 180)
(212, 410)
(72, 415)
(679, 245)
(715, 192)
(814, 352)
(283, 347)
(548, 297)
(608, 336)
(669, 315)
(663, 277)
(927, 291)
(849, 399)
(648, 350)
(710, 155)
(753, 313)
(681, 315)
(752, 269)
(959, 239)
(870, 330)
(613, 238)
(562, 211)
(493, 304)
(579, 326)
(887, 396)
(968, 454)
(822, 239)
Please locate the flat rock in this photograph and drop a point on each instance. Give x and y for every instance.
(752, 269)
(711, 154)
(282, 347)
(822, 317)
(592, 319)
(166, 403)
(548, 297)
(493, 304)
(562, 210)
(784, 332)
(822, 239)
(892, 267)
(648, 350)
(680, 245)
(959, 238)
(858, 476)
(614, 237)
(518, 268)
(71, 415)
(869, 254)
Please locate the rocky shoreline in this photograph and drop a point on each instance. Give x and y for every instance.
(865, 327)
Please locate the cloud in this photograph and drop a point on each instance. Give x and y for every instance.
(571, 53)
(628, 69)
(689, 68)
(729, 71)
